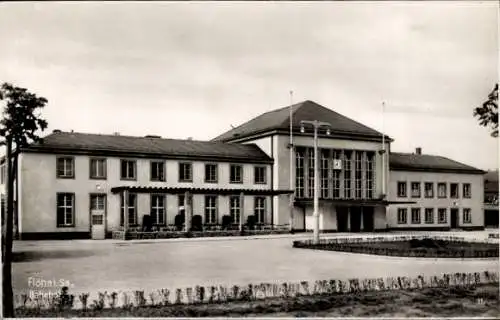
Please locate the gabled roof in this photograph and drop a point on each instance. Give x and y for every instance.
(425, 162)
(85, 143)
(279, 119)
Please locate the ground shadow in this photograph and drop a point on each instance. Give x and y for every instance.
(30, 256)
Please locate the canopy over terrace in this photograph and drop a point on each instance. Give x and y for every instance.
(188, 191)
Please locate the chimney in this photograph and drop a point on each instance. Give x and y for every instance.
(116, 133)
(418, 150)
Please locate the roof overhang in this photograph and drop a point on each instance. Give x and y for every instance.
(440, 170)
(214, 191)
(354, 202)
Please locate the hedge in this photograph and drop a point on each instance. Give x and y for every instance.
(223, 294)
(135, 235)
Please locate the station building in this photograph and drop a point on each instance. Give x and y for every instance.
(79, 185)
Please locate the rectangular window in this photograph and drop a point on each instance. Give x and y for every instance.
(260, 209)
(467, 216)
(442, 215)
(336, 174)
(65, 209)
(358, 156)
(454, 192)
(441, 190)
(97, 202)
(466, 190)
(429, 215)
(98, 168)
(236, 173)
(369, 174)
(347, 174)
(157, 170)
(131, 209)
(415, 189)
(402, 185)
(211, 172)
(299, 173)
(65, 167)
(324, 174)
(185, 172)
(180, 204)
(311, 166)
(429, 189)
(234, 208)
(158, 209)
(259, 175)
(128, 169)
(210, 209)
(415, 215)
(402, 215)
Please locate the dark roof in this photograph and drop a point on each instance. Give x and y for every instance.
(425, 162)
(84, 143)
(181, 190)
(279, 119)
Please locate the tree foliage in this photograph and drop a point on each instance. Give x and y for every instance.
(20, 118)
(487, 114)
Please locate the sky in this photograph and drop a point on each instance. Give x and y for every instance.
(194, 69)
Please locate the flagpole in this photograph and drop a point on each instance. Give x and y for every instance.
(383, 150)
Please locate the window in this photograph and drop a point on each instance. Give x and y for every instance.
(185, 172)
(128, 169)
(336, 175)
(157, 170)
(98, 168)
(358, 156)
(441, 190)
(369, 174)
(210, 209)
(260, 209)
(442, 215)
(466, 190)
(131, 209)
(211, 170)
(347, 174)
(236, 173)
(97, 202)
(65, 167)
(259, 175)
(467, 217)
(180, 203)
(402, 215)
(299, 173)
(415, 215)
(311, 166)
(429, 215)
(454, 191)
(415, 189)
(234, 208)
(402, 189)
(324, 174)
(158, 209)
(429, 189)
(65, 210)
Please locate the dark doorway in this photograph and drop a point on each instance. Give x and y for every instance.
(355, 219)
(491, 218)
(342, 219)
(368, 223)
(454, 218)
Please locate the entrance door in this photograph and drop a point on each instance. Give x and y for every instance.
(355, 219)
(342, 219)
(454, 218)
(98, 216)
(368, 219)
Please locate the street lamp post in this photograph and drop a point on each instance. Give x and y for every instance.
(316, 125)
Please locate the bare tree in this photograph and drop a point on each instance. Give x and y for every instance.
(18, 128)
(487, 114)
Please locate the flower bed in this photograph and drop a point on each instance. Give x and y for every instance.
(134, 235)
(212, 295)
(407, 246)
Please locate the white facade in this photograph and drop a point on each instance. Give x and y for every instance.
(473, 204)
(39, 185)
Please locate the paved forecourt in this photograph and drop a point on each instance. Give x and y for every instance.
(91, 266)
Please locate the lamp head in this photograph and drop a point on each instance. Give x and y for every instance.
(302, 129)
(328, 131)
